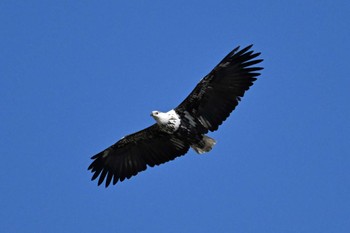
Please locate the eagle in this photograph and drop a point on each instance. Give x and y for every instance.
(184, 127)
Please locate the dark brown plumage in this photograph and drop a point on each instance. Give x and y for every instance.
(207, 106)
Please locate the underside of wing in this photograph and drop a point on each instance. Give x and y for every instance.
(134, 152)
(218, 93)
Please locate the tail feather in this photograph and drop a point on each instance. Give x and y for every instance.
(205, 145)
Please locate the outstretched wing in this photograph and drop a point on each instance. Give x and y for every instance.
(134, 152)
(218, 93)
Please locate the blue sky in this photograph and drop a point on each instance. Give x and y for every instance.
(75, 76)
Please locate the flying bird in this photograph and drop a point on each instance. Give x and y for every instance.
(184, 127)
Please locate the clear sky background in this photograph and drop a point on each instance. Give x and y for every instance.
(75, 76)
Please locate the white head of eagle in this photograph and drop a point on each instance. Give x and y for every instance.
(184, 127)
(167, 121)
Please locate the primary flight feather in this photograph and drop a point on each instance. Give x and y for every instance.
(175, 131)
